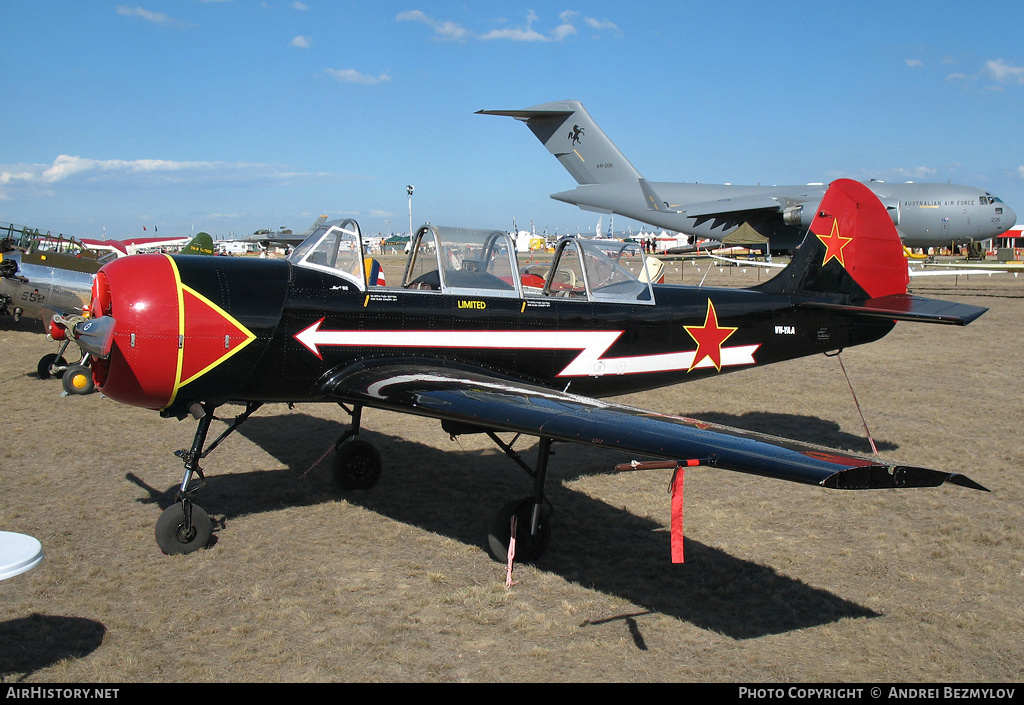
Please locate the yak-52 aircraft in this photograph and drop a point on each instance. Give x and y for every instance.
(469, 339)
(925, 214)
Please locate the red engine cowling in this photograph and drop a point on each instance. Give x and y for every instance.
(166, 335)
(141, 293)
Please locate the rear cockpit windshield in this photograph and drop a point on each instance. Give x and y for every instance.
(601, 270)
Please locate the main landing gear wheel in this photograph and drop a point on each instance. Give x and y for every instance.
(77, 379)
(529, 548)
(357, 465)
(175, 535)
(50, 364)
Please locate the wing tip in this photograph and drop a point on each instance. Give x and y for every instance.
(872, 477)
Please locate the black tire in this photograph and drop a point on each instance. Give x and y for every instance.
(528, 548)
(357, 466)
(77, 379)
(49, 361)
(172, 536)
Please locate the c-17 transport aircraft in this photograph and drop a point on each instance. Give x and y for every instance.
(470, 340)
(925, 214)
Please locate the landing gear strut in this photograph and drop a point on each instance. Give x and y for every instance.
(532, 513)
(357, 464)
(185, 527)
(76, 378)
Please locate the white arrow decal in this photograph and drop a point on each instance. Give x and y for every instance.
(591, 344)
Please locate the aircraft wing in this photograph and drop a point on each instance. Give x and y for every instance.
(481, 401)
(721, 207)
(726, 206)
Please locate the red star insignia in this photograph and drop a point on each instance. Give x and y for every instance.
(834, 244)
(709, 339)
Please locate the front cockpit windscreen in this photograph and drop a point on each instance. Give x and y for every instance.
(335, 248)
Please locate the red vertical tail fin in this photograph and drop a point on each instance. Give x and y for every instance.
(851, 248)
(852, 262)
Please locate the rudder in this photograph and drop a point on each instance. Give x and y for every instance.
(851, 262)
(851, 247)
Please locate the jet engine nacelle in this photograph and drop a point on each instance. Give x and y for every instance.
(799, 214)
(802, 214)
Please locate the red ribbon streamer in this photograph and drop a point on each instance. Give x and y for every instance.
(677, 515)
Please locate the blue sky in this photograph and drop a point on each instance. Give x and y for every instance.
(233, 115)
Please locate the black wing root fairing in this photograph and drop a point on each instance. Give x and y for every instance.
(477, 399)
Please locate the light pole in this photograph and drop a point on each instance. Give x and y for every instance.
(409, 190)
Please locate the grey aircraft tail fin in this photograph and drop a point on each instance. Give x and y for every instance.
(569, 133)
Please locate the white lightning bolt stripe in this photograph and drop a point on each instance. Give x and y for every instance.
(591, 344)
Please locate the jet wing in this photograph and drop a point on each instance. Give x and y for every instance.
(708, 209)
(478, 399)
(725, 206)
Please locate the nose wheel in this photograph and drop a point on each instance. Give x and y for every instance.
(183, 528)
(77, 379)
(51, 365)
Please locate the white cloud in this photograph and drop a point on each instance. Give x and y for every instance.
(154, 17)
(68, 171)
(1005, 73)
(448, 31)
(601, 25)
(995, 75)
(451, 31)
(299, 6)
(527, 33)
(353, 76)
(302, 42)
(914, 63)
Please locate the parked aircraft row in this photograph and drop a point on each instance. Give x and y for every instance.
(925, 214)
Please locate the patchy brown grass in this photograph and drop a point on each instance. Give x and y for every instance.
(782, 582)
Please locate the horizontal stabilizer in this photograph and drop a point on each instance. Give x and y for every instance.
(526, 114)
(904, 307)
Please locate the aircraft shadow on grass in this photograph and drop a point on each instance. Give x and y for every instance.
(455, 494)
(32, 643)
(808, 429)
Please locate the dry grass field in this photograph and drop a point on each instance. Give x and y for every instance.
(782, 582)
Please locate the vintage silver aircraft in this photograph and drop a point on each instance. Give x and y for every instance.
(925, 214)
(469, 339)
